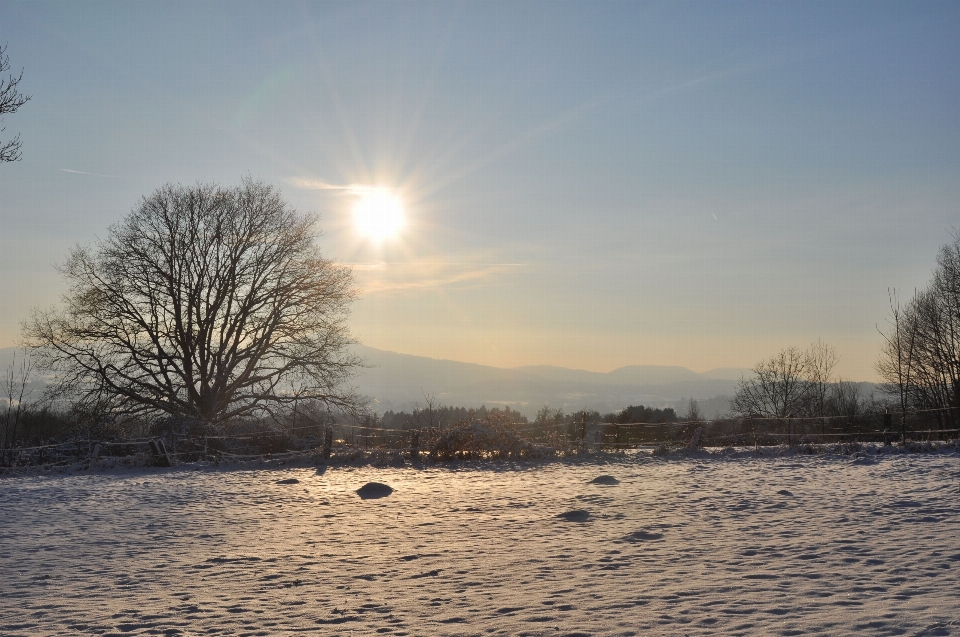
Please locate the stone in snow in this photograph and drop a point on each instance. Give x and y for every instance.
(641, 536)
(604, 479)
(374, 490)
(577, 515)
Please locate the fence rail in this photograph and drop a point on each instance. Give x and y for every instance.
(925, 425)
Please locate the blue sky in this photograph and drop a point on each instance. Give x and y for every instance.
(586, 184)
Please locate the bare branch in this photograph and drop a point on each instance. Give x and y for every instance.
(11, 99)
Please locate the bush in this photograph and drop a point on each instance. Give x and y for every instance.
(490, 438)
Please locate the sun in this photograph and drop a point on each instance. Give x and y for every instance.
(378, 215)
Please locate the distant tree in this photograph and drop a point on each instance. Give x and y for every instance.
(432, 416)
(639, 413)
(204, 303)
(897, 354)
(693, 411)
(821, 361)
(15, 390)
(778, 387)
(10, 100)
(845, 401)
(548, 417)
(791, 383)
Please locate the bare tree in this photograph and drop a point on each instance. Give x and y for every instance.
(15, 388)
(821, 360)
(431, 417)
(897, 361)
(693, 411)
(548, 417)
(206, 303)
(10, 100)
(845, 400)
(778, 387)
(946, 282)
(920, 355)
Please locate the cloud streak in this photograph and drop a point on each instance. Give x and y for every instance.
(80, 172)
(391, 277)
(319, 184)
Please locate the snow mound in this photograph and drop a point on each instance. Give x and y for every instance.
(604, 479)
(373, 490)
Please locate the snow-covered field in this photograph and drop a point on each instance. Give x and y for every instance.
(683, 546)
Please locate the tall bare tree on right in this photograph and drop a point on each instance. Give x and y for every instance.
(920, 356)
(11, 99)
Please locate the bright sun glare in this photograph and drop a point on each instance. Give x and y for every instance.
(378, 215)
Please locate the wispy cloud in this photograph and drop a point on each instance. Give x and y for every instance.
(318, 184)
(80, 172)
(385, 277)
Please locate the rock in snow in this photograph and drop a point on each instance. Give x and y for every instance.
(604, 479)
(642, 536)
(577, 515)
(288, 481)
(374, 490)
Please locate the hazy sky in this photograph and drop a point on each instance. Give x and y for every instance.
(586, 184)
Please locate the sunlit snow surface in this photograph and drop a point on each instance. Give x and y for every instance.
(761, 546)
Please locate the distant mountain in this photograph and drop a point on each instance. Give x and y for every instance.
(401, 381)
(632, 375)
(726, 373)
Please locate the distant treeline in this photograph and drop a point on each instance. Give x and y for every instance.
(441, 416)
(435, 416)
(23, 423)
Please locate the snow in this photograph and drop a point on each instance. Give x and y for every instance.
(681, 546)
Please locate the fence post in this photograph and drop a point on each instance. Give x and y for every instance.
(327, 442)
(160, 452)
(695, 441)
(415, 445)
